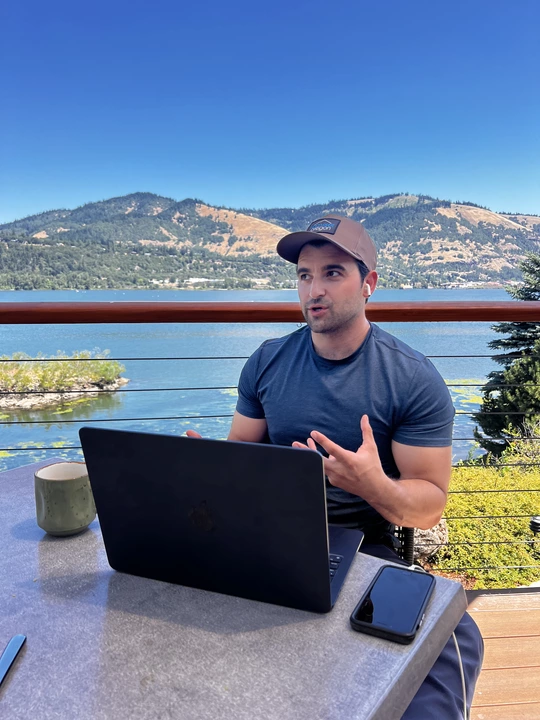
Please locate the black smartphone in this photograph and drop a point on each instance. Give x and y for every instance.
(393, 606)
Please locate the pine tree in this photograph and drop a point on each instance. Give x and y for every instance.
(511, 398)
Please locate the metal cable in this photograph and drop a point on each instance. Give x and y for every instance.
(484, 517)
(210, 387)
(477, 492)
(428, 544)
(484, 567)
(497, 465)
(239, 357)
(107, 420)
(498, 412)
(40, 449)
(130, 359)
(521, 438)
(110, 392)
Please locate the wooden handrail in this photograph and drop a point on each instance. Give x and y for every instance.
(61, 313)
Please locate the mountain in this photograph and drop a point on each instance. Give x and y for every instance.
(423, 242)
(145, 240)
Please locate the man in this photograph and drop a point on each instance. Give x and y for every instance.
(378, 411)
(366, 390)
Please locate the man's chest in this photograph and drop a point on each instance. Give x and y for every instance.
(331, 402)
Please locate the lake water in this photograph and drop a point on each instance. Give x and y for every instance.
(166, 411)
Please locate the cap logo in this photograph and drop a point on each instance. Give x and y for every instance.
(324, 226)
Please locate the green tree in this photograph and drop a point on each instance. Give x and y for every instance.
(511, 397)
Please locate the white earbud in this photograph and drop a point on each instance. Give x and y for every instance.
(368, 290)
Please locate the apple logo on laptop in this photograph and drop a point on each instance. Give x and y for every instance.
(200, 517)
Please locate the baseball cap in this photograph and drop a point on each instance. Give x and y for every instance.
(343, 232)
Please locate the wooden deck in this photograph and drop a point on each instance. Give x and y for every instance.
(509, 684)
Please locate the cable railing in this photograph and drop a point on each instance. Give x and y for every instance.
(207, 312)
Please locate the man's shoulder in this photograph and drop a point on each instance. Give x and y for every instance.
(286, 342)
(275, 351)
(387, 342)
(401, 361)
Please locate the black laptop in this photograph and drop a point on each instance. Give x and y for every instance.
(244, 519)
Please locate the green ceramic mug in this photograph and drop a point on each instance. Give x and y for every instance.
(64, 500)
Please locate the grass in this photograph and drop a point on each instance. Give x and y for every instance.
(21, 373)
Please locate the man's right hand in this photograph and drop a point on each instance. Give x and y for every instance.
(193, 434)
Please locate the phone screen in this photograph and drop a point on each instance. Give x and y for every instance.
(395, 600)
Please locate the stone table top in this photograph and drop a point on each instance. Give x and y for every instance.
(105, 645)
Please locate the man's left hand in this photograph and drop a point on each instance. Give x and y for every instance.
(360, 472)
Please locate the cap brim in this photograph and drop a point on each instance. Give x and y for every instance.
(289, 246)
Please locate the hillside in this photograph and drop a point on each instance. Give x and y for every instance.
(425, 242)
(145, 240)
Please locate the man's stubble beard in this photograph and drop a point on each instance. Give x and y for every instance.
(330, 323)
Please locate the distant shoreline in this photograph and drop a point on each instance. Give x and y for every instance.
(204, 288)
(203, 285)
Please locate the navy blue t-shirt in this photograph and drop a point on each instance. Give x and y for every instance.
(298, 391)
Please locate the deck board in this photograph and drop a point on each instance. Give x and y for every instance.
(504, 624)
(511, 652)
(509, 684)
(523, 711)
(509, 602)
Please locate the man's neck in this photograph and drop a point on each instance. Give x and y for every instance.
(341, 343)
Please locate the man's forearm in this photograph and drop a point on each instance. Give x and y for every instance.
(410, 502)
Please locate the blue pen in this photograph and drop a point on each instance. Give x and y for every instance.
(9, 654)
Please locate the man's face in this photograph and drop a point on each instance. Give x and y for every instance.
(330, 288)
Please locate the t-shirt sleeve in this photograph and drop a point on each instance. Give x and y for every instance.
(429, 413)
(248, 403)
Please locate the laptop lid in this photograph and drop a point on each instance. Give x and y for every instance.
(243, 519)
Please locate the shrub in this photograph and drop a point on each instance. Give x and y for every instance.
(44, 374)
(477, 540)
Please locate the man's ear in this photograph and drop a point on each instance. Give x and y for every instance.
(370, 283)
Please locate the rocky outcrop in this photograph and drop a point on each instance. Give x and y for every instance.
(428, 542)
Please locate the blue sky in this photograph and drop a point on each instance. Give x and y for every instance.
(249, 104)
